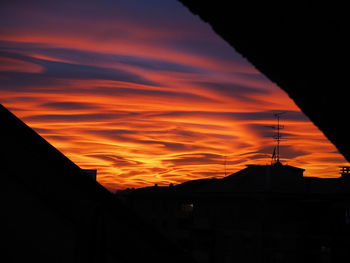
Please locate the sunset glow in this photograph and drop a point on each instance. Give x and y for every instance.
(145, 92)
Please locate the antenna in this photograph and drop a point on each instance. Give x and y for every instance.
(277, 136)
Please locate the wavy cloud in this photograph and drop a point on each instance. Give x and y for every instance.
(146, 93)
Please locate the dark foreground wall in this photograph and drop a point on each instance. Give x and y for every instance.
(300, 45)
(55, 213)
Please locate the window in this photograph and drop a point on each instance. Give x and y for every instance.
(187, 207)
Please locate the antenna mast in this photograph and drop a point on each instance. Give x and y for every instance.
(277, 136)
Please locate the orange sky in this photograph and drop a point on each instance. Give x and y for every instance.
(146, 93)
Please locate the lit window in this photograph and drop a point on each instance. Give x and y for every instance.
(187, 207)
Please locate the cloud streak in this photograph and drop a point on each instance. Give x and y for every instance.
(146, 93)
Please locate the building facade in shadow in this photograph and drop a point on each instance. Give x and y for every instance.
(263, 213)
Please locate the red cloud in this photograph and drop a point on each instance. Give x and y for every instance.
(145, 99)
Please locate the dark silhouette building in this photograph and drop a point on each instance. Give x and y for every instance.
(263, 213)
(54, 212)
(91, 173)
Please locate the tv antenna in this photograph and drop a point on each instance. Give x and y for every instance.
(275, 159)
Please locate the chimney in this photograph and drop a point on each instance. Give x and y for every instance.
(92, 173)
